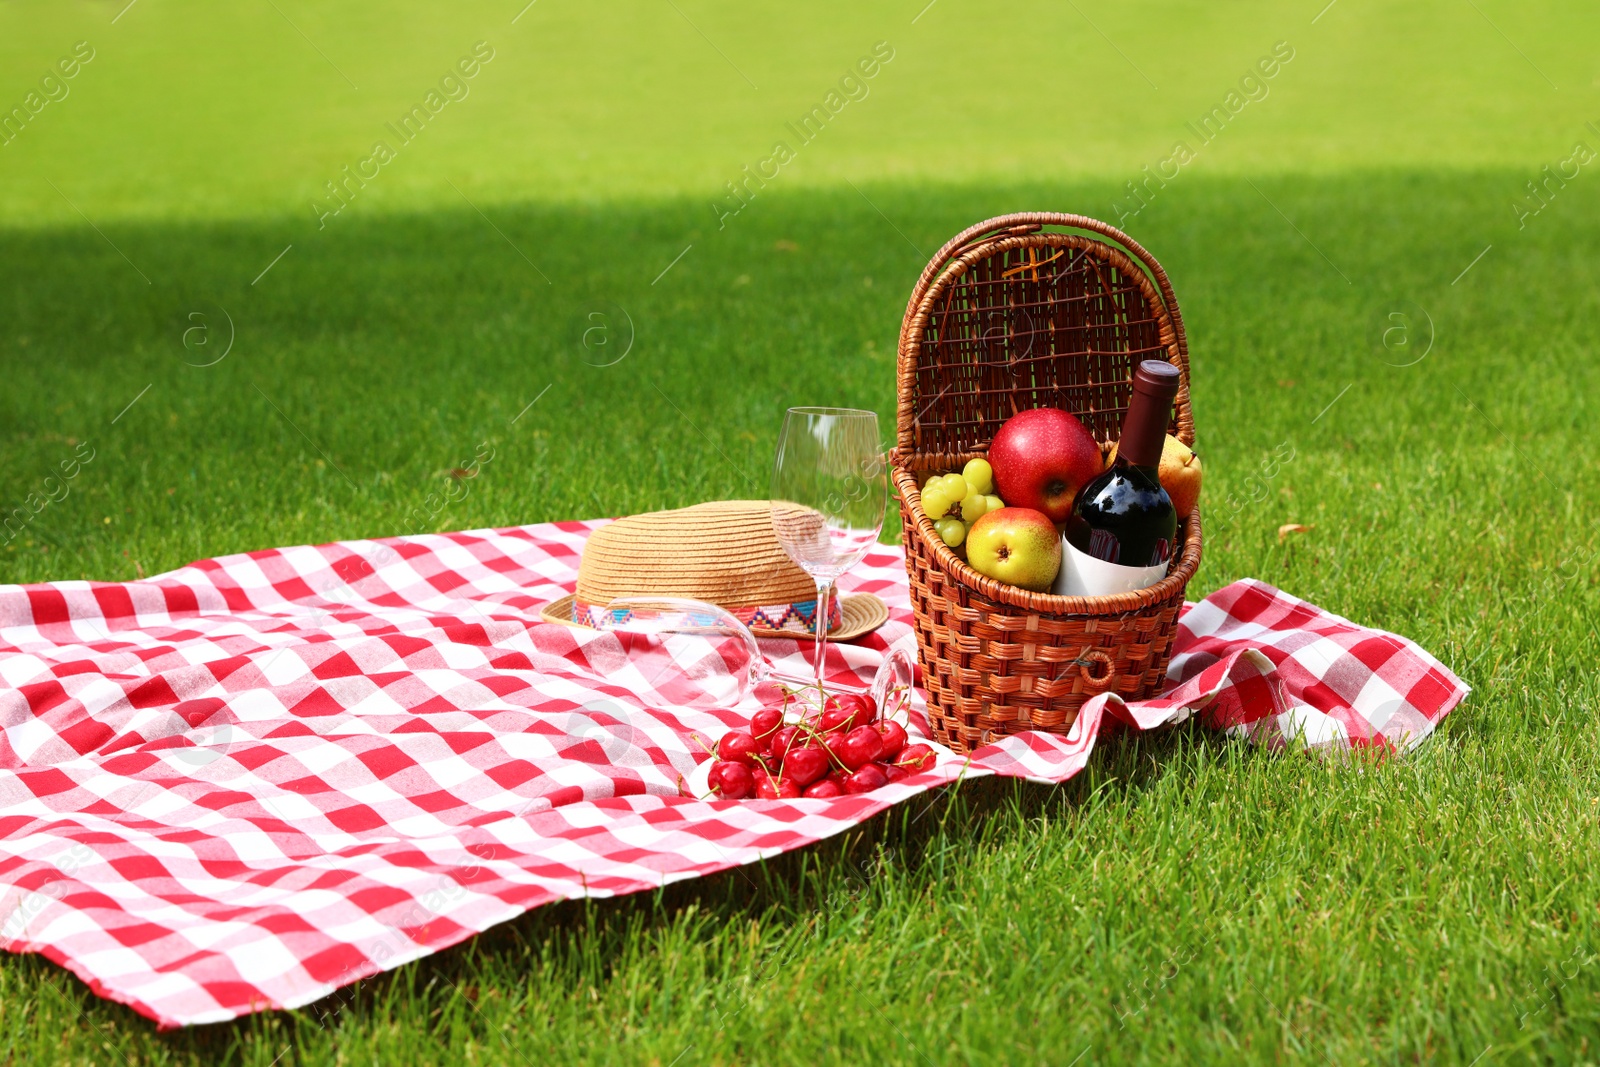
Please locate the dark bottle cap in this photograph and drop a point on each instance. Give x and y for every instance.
(1144, 430)
(1157, 378)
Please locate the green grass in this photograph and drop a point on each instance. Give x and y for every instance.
(1184, 899)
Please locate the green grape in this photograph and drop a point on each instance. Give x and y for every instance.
(935, 499)
(952, 531)
(994, 502)
(974, 506)
(979, 475)
(956, 486)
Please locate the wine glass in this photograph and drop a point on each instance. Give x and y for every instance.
(700, 655)
(829, 487)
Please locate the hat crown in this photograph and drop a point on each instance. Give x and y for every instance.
(725, 552)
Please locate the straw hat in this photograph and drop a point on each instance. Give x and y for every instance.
(725, 552)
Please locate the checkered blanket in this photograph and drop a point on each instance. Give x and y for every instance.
(248, 782)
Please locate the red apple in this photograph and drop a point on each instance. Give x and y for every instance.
(1041, 458)
(1018, 546)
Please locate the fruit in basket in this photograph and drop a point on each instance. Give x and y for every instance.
(942, 496)
(1180, 475)
(954, 501)
(979, 475)
(1018, 546)
(1179, 471)
(1041, 458)
(951, 531)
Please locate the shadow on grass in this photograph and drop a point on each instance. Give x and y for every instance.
(367, 357)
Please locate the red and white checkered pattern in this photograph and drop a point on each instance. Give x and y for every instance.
(253, 780)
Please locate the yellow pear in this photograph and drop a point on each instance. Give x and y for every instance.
(1180, 473)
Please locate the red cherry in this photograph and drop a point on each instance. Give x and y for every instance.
(834, 743)
(894, 772)
(826, 789)
(865, 779)
(785, 738)
(894, 738)
(916, 758)
(835, 717)
(773, 786)
(848, 710)
(730, 780)
(739, 747)
(805, 765)
(763, 724)
(861, 746)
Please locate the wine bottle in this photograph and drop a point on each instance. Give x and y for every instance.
(1123, 527)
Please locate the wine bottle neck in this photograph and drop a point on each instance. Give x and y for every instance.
(1144, 428)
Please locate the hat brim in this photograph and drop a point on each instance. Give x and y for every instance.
(859, 614)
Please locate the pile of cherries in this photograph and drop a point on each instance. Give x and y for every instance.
(845, 749)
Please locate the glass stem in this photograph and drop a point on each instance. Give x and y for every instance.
(824, 594)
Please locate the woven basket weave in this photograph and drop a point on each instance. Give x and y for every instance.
(1026, 311)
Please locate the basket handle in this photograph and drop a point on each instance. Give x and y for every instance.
(1026, 222)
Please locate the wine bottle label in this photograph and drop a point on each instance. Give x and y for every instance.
(1083, 575)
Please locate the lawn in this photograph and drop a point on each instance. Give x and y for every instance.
(1185, 899)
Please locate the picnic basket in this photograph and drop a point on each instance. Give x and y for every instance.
(1024, 311)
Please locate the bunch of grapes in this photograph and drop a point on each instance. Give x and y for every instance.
(956, 501)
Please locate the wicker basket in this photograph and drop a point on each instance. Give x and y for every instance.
(1025, 311)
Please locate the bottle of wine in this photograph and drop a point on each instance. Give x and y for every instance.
(1123, 528)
